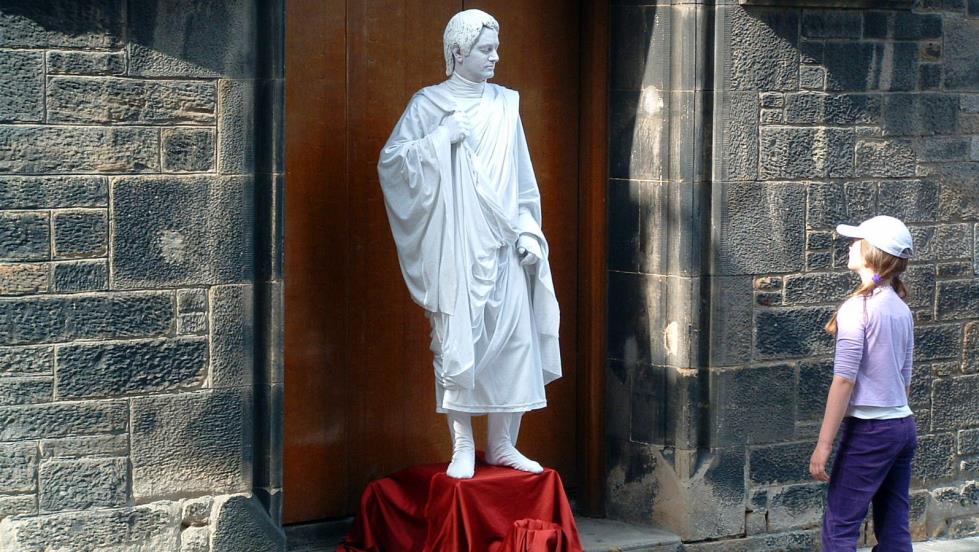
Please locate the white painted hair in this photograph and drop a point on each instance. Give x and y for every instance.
(463, 31)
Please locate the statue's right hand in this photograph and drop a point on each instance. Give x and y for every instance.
(458, 126)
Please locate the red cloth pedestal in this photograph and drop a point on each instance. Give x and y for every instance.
(421, 509)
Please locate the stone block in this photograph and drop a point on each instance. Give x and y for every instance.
(77, 276)
(832, 24)
(187, 38)
(919, 114)
(648, 404)
(796, 507)
(90, 446)
(935, 458)
(232, 337)
(197, 511)
(954, 403)
(26, 361)
(772, 117)
(943, 242)
(26, 390)
(194, 323)
(62, 419)
(24, 236)
(961, 54)
(832, 109)
(147, 527)
(957, 299)
(188, 150)
(18, 505)
(18, 462)
(819, 260)
(772, 99)
(242, 525)
(80, 233)
(191, 443)
(738, 121)
(79, 149)
(959, 197)
(862, 66)
(970, 348)
(60, 24)
(731, 309)
(885, 158)
(636, 32)
(130, 368)
(968, 442)
(21, 86)
(763, 51)
(70, 62)
(909, 200)
(812, 77)
(793, 332)
(53, 192)
(114, 100)
(937, 342)
(920, 281)
(825, 287)
(82, 484)
(38, 319)
(815, 377)
(920, 396)
(191, 300)
(629, 311)
(752, 405)
(943, 148)
(195, 539)
(25, 278)
(803, 153)
(182, 231)
(930, 76)
(762, 228)
(780, 464)
(624, 218)
(639, 144)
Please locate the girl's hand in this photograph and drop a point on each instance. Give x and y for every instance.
(817, 464)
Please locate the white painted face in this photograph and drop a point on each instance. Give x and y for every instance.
(856, 260)
(480, 64)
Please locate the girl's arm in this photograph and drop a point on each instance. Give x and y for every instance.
(836, 404)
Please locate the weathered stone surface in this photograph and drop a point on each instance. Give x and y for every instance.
(968, 442)
(955, 403)
(796, 507)
(23, 278)
(793, 332)
(943, 148)
(90, 446)
(793, 541)
(763, 53)
(762, 228)
(242, 525)
(638, 135)
(937, 342)
(815, 377)
(961, 54)
(236, 126)
(53, 192)
(60, 24)
(191, 443)
(832, 23)
(188, 150)
(780, 464)
(81, 484)
(909, 200)
(194, 323)
(86, 63)
(832, 109)
(738, 119)
(113, 100)
(21, 86)
(232, 340)
(148, 527)
(18, 461)
(130, 368)
(197, 511)
(195, 539)
(53, 150)
(930, 76)
(885, 158)
(187, 38)
(80, 233)
(24, 237)
(731, 310)
(818, 287)
(862, 66)
(635, 32)
(970, 348)
(61, 419)
(75, 276)
(901, 25)
(920, 281)
(958, 299)
(21, 361)
(959, 198)
(191, 300)
(942, 242)
(98, 316)
(746, 410)
(919, 114)
(182, 231)
(26, 390)
(801, 153)
(935, 458)
(18, 505)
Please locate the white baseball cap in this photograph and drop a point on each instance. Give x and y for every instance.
(888, 234)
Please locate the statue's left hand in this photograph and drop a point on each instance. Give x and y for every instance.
(529, 250)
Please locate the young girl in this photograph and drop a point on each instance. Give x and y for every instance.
(869, 395)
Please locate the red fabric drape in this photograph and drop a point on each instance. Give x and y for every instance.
(421, 509)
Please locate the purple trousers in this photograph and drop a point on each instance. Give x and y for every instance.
(873, 464)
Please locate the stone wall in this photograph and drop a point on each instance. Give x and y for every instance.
(133, 170)
(812, 117)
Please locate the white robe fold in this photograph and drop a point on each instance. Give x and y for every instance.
(456, 212)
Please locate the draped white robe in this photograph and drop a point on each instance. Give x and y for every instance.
(456, 212)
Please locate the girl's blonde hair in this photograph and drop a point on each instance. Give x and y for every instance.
(885, 265)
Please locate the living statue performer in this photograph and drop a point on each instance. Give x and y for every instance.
(465, 213)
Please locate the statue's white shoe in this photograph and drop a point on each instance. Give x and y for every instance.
(501, 449)
(463, 464)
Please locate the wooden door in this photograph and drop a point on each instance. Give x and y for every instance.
(359, 389)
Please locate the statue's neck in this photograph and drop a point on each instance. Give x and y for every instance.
(462, 87)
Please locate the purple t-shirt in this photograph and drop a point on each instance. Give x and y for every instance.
(874, 346)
